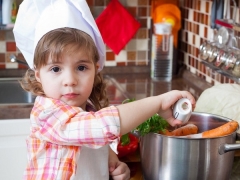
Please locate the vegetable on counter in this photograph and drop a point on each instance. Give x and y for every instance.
(128, 144)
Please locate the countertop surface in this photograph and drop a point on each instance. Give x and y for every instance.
(121, 87)
(135, 85)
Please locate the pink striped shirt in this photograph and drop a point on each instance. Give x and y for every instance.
(57, 133)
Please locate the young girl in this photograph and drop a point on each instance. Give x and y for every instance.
(66, 72)
(72, 126)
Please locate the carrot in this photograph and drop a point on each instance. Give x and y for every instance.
(166, 132)
(223, 130)
(182, 131)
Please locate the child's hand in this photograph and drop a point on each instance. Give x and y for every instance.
(168, 100)
(119, 170)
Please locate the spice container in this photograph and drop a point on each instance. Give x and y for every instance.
(205, 50)
(231, 60)
(236, 68)
(214, 53)
(221, 58)
(202, 48)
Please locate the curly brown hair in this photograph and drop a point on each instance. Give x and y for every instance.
(53, 43)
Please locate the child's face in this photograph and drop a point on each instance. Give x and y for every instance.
(70, 79)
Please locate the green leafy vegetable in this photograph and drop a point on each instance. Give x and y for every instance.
(154, 124)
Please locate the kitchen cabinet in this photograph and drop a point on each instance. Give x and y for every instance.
(13, 152)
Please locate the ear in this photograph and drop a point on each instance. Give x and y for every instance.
(37, 75)
(97, 66)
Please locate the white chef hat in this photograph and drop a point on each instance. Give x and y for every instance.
(37, 17)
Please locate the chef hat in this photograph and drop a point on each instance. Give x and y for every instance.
(37, 17)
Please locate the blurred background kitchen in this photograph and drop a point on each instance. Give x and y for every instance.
(195, 22)
(152, 46)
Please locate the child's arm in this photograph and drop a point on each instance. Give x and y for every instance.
(134, 113)
(117, 169)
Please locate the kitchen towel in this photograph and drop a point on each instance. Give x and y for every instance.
(117, 26)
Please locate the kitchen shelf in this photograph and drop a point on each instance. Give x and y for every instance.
(226, 73)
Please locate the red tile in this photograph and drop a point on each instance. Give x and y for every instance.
(110, 56)
(90, 2)
(2, 66)
(142, 11)
(132, 11)
(11, 46)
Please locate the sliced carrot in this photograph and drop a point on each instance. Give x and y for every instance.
(182, 131)
(225, 129)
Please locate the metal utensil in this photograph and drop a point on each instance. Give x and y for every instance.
(13, 58)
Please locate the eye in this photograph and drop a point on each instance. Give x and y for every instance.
(81, 68)
(55, 69)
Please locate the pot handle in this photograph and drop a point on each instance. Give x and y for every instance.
(228, 147)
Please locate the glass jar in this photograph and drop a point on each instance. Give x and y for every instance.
(214, 53)
(236, 68)
(205, 49)
(231, 60)
(221, 58)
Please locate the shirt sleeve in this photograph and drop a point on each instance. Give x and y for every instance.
(72, 126)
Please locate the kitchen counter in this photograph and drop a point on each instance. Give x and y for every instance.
(121, 87)
(136, 85)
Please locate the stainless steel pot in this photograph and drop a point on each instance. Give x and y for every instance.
(175, 158)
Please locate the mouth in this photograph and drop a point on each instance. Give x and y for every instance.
(70, 95)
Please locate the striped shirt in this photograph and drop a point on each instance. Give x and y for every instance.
(57, 133)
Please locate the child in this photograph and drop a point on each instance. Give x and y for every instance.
(72, 126)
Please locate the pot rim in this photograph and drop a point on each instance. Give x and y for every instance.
(186, 138)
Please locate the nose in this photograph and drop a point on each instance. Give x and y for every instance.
(70, 78)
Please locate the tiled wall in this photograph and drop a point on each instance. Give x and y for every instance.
(195, 30)
(136, 52)
(7, 47)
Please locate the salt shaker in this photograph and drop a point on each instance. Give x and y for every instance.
(182, 110)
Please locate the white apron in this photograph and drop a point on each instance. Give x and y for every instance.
(93, 164)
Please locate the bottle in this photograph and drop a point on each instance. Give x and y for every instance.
(6, 11)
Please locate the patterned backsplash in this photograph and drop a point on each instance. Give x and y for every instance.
(196, 21)
(195, 29)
